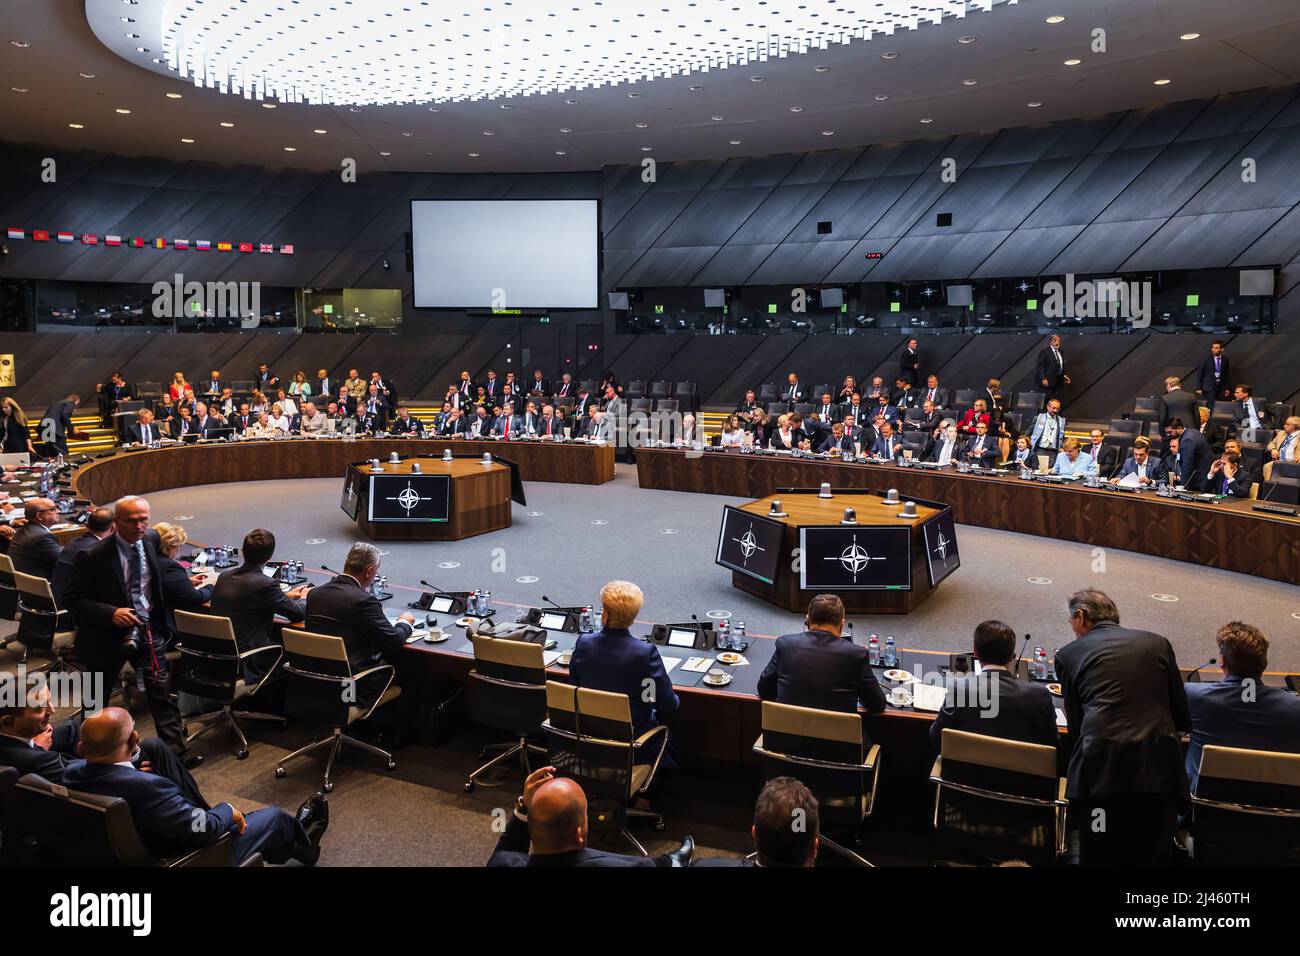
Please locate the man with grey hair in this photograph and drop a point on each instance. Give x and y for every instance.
(34, 550)
(345, 607)
(1125, 705)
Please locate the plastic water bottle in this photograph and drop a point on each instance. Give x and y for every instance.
(1039, 668)
(584, 621)
(487, 601)
(473, 602)
(723, 641)
(738, 636)
(891, 653)
(873, 651)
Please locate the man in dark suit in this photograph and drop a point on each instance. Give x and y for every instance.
(776, 842)
(110, 393)
(30, 743)
(1241, 710)
(34, 549)
(1106, 456)
(116, 596)
(1192, 456)
(819, 667)
(245, 419)
(1149, 470)
(1213, 376)
(1050, 374)
(56, 425)
(909, 363)
(508, 425)
(169, 824)
(982, 450)
(933, 393)
(837, 441)
(345, 607)
(1125, 705)
(207, 424)
(453, 425)
(1177, 403)
(550, 425)
(794, 392)
(615, 661)
(1247, 411)
(252, 601)
(828, 411)
(404, 423)
(994, 702)
(99, 525)
(145, 431)
(539, 385)
(945, 448)
(566, 388)
(265, 380)
(375, 404)
(548, 828)
(480, 423)
(1226, 477)
(323, 388)
(905, 395)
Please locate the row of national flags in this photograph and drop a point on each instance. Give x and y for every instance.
(140, 242)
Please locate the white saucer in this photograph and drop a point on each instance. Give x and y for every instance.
(726, 679)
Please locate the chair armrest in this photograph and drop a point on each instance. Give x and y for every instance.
(873, 755)
(216, 854)
(648, 736)
(1060, 789)
(936, 770)
(270, 671)
(253, 861)
(373, 670)
(245, 655)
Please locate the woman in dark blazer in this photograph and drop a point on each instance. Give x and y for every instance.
(17, 436)
(178, 588)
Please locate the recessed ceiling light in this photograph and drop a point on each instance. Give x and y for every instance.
(489, 132)
(717, 119)
(407, 134)
(889, 56)
(1163, 82)
(122, 110)
(881, 97)
(268, 106)
(735, 142)
(646, 149)
(507, 106)
(967, 39)
(828, 132)
(132, 36)
(291, 149)
(757, 79)
(142, 49)
(173, 96)
(473, 155)
(1034, 104)
(1073, 62)
(21, 44)
(1189, 36)
(18, 89)
(1055, 18)
(384, 152)
(320, 132)
(695, 89)
(86, 76)
(185, 139)
(642, 125)
(75, 126)
(927, 120)
(821, 68)
(227, 125)
(559, 152)
(796, 109)
(565, 129)
(969, 82)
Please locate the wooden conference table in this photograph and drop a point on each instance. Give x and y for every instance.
(1225, 534)
(178, 466)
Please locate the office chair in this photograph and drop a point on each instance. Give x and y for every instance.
(590, 738)
(964, 398)
(42, 626)
(660, 389)
(999, 799)
(16, 848)
(669, 405)
(641, 404)
(73, 828)
(824, 750)
(211, 665)
(322, 689)
(8, 593)
(634, 389)
(1246, 808)
(508, 693)
(1130, 427)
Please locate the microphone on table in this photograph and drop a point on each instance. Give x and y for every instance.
(554, 605)
(1021, 656)
(699, 627)
(1196, 673)
(436, 589)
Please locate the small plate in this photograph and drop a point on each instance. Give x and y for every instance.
(721, 682)
(564, 659)
(730, 657)
(431, 638)
(900, 676)
(467, 621)
(1054, 688)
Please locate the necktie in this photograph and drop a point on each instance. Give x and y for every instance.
(1286, 443)
(507, 431)
(1250, 410)
(146, 435)
(134, 582)
(1058, 358)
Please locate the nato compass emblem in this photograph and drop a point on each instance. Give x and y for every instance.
(351, 492)
(748, 544)
(855, 559)
(941, 547)
(408, 498)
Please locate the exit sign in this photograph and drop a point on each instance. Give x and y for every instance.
(875, 255)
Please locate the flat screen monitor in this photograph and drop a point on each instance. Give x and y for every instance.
(618, 301)
(414, 499)
(750, 544)
(554, 622)
(505, 253)
(832, 298)
(441, 605)
(847, 558)
(715, 298)
(941, 554)
(960, 295)
(351, 501)
(680, 637)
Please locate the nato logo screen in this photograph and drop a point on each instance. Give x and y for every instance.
(845, 558)
(941, 547)
(410, 498)
(750, 544)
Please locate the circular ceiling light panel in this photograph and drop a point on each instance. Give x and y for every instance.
(385, 52)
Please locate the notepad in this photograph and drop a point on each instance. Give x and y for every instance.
(1060, 717)
(697, 665)
(669, 663)
(550, 657)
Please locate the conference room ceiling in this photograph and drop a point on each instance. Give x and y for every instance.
(56, 72)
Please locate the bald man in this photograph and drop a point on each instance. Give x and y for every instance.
(168, 822)
(34, 549)
(549, 828)
(116, 596)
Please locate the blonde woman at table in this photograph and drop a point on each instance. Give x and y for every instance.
(180, 389)
(278, 420)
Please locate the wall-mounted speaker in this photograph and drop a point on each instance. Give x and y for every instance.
(824, 227)
(943, 219)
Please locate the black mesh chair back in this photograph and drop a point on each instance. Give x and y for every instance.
(508, 689)
(1246, 808)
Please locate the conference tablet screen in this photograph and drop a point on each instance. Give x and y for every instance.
(351, 500)
(678, 637)
(750, 544)
(554, 622)
(941, 554)
(846, 558)
(505, 254)
(441, 605)
(409, 498)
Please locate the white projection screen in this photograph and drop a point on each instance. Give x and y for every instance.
(505, 253)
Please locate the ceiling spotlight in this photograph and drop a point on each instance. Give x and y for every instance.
(796, 109)
(718, 119)
(173, 96)
(1034, 104)
(473, 155)
(132, 36)
(642, 125)
(291, 149)
(227, 125)
(18, 89)
(572, 102)
(434, 109)
(1163, 82)
(646, 149)
(384, 152)
(407, 134)
(21, 44)
(75, 126)
(1055, 18)
(821, 68)
(351, 109)
(1189, 36)
(969, 82)
(507, 106)
(565, 129)
(142, 49)
(268, 106)
(560, 152)
(735, 142)
(828, 132)
(881, 97)
(489, 132)
(757, 79)
(186, 140)
(889, 56)
(927, 120)
(1073, 62)
(320, 132)
(122, 110)
(695, 89)
(86, 76)
(634, 96)
(967, 39)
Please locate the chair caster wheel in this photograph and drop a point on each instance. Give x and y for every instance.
(329, 787)
(659, 825)
(242, 754)
(469, 786)
(280, 772)
(392, 765)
